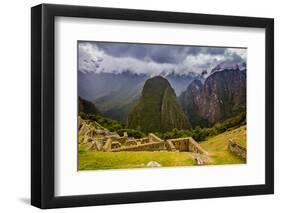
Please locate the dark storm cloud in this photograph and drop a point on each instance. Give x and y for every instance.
(153, 59)
(159, 53)
(124, 49)
(234, 56)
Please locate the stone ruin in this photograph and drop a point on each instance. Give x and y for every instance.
(237, 149)
(99, 138)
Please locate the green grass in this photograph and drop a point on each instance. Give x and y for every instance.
(91, 160)
(217, 146)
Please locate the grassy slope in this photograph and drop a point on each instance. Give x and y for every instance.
(217, 146)
(89, 160)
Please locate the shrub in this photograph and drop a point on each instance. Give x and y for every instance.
(200, 134)
(110, 124)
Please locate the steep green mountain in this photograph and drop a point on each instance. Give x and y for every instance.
(223, 95)
(158, 109)
(86, 106)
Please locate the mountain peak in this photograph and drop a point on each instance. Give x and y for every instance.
(157, 109)
(229, 65)
(158, 78)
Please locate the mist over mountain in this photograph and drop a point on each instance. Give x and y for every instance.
(113, 94)
(92, 85)
(158, 109)
(152, 104)
(229, 65)
(113, 76)
(86, 106)
(153, 59)
(180, 82)
(116, 94)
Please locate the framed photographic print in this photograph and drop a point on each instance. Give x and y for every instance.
(139, 106)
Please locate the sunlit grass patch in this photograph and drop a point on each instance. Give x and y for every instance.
(217, 146)
(91, 160)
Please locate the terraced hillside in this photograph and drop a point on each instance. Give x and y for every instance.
(217, 148)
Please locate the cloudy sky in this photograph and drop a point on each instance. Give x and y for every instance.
(153, 59)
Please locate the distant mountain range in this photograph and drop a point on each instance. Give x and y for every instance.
(115, 95)
(162, 103)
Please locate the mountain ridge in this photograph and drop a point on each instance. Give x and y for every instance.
(222, 95)
(86, 106)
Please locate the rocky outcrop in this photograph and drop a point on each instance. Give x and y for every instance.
(237, 149)
(223, 95)
(153, 164)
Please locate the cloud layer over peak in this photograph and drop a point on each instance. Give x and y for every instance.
(153, 59)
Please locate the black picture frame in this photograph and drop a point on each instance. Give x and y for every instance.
(43, 117)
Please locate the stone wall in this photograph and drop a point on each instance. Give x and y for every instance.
(237, 149)
(144, 140)
(152, 146)
(170, 146)
(180, 144)
(186, 145)
(156, 144)
(98, 138)
(195, 147)
(153, 138)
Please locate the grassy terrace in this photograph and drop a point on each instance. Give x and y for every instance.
(215, 146)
